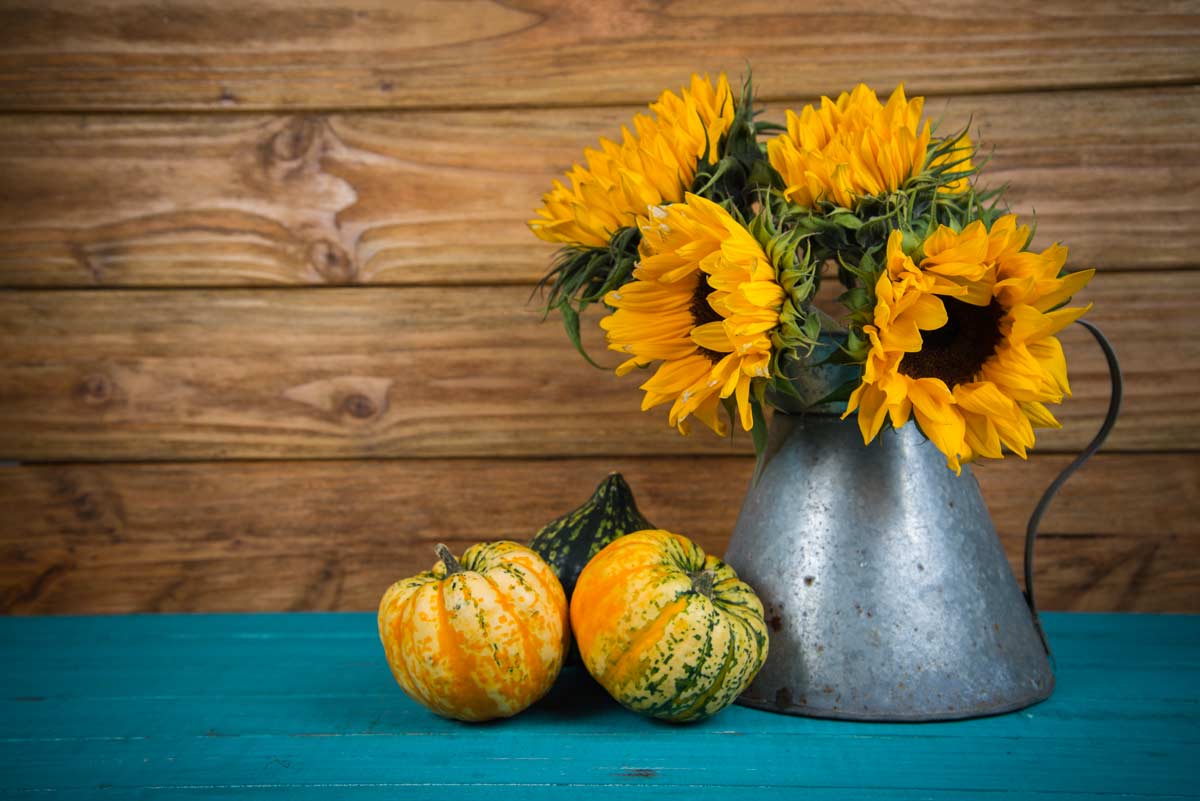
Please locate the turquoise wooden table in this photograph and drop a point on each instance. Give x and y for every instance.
(302, 706)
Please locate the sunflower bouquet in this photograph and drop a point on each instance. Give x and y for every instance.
(706, 234)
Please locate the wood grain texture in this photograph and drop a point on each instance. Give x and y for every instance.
(144, 374)
(333, 535)
(442, 198)
(1133, 667)
(139, 54)
(302, 707)
(399, 148)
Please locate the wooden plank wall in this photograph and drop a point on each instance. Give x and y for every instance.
(265, 330)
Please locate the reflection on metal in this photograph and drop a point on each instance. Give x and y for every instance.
(887, 592)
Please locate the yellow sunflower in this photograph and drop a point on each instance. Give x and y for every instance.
(703, 302)
(654, 164)
(964, 341)
(857, 147)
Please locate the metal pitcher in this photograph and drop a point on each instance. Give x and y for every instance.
(886, 589)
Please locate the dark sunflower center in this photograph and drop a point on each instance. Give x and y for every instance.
(956, 352)
(702, 314)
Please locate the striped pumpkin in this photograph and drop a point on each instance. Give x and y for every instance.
(667, 630)
(569, 543)
(478, 639)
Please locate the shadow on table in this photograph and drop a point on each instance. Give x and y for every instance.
(368, 701)
(575, 696)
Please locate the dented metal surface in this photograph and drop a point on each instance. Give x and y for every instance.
(886, 589)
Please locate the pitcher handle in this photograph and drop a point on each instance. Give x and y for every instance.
(1110, 419)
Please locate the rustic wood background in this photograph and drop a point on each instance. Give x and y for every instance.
(264, 328)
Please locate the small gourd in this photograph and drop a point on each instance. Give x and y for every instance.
(669, 631)
(569, 542)
(479, 638)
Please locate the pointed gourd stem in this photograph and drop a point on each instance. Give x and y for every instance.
(611, 485)
(702, 582)
(452, 565)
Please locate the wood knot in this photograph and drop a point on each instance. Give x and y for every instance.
(293, 141)
(331, 261)
(95, 389)
(345, 398)
(85, 507)
(358, 405)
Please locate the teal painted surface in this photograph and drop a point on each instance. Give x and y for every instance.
(302, 706)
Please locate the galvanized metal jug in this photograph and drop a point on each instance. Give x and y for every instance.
(886, 589)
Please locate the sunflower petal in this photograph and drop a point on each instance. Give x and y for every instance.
(712, 336)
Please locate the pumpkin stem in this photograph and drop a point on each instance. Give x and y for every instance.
(702, 582)
(452, 565)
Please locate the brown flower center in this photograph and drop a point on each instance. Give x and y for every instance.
(956, 352)
(702, 314)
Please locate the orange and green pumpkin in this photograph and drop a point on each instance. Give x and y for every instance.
(478, 639)
(667, 630)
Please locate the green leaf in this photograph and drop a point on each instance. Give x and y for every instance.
(764, 175)
(759, 434)
(847, 220)
(855, 298)
(571, 323)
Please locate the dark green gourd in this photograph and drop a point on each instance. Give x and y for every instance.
(569, 543)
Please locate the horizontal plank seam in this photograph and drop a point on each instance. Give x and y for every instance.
(295, 287)
(185, 739)
(554, 457)
(203, 108)
(600, 785)
(328, 287)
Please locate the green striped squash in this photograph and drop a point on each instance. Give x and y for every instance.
(570, 542)
(669, 631)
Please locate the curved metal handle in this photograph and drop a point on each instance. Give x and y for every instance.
(1110, 419)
